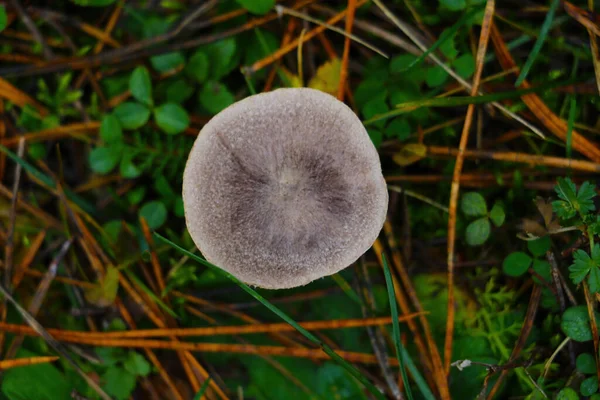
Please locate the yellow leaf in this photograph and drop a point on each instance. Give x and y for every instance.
(327, 78)
(409, 154)
(105, 292)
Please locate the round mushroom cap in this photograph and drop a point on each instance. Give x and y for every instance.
(284, 187)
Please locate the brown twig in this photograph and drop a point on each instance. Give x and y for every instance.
(481, 51)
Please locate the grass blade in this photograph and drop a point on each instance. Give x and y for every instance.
(202, 390)
(328, 350)
(46, 180)
(457, 101)
(538, 43)
(446, 35)
(396, 326)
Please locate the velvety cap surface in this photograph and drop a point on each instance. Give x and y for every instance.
(283, 188)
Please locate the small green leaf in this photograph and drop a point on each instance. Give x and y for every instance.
(585, 195)
(198, 67)
(497, 214)
(215, 97)
(3, 18)
(118, 383)
(539, 247)
(543, 269)
(136, 364)
(377, 105)
(259, 7)
(435, 76)
(179, 91)
(478, 231)
(594, 280)
(171, 118)
(132, 115)
(155, 214)
(567, 394)
(167, 62)
(586, 364)
(589, 386)
(473, 204)
(464, 66)
(110, 129)
(582, 264)
(516, 264)
(575, 323)
(50, 382)
(399, 128)
(128, 169)
(103, 159)
(136, 195)
(222, 57)
(140, 86)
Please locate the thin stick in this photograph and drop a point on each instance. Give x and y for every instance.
(483, 42)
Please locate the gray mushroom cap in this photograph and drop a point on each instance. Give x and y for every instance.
(284, 187)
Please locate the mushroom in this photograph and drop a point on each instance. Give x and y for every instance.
(284, 187)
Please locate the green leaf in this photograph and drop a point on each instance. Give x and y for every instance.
(464, 66)
(589, 386)
(586, 364)
(539, 247)
(435, 76)
(167, 62)
(586, 193)
(155, 214)
(497, 214)
(171, 118)
(473, 204)
(594, 280)
(567, 394)
(93, 3)
(516, 264)
(118, 383)
(582, 264)
(103, 294)
(478, 231)
(136, 364)
(179, 91)
(140, 86)
(259, 7)
(50, 383)
(110, 129)
(542, 268)
(215, 97)
(399, 128)
(3, 18)
(221, 55)
(575, 323)
(377, 105)
(565, 188)
(132, 115)
(103, 159)
(454, 5)
(127, 168)
(198, 67)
